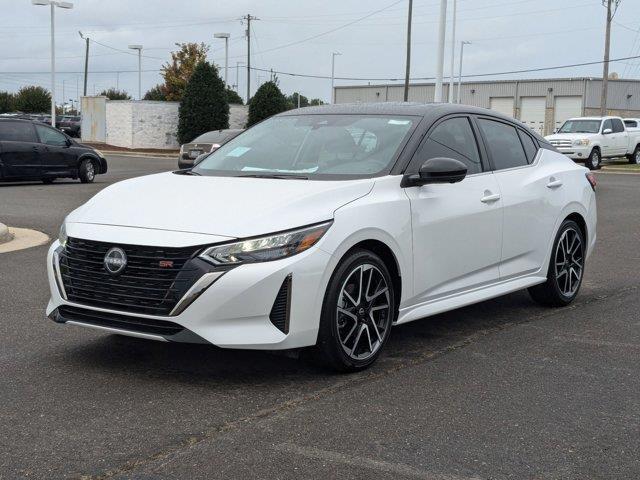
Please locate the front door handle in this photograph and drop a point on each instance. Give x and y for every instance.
(490, 197)
(553, 183)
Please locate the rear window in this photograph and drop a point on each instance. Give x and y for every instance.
(631, 123)
(211, 137)
(16, 132)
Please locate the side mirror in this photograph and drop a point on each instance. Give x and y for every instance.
(437, 170)
(607, 131)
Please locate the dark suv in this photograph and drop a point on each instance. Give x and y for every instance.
(31, 150)
(70, 124)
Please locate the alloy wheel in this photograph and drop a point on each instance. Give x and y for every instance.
(596, 159)
(569, 262)
(636, 157)
(90, 171)
(363, 312)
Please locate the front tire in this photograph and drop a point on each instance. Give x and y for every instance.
(594, 161)
(87, 171)
(566, 268)
(357, 313)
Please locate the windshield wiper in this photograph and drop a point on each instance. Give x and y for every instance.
(191, 172)
(279, 176)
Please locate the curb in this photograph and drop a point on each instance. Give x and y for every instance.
(5, 235)
(140, 154)
(618, 170)
(22, 238)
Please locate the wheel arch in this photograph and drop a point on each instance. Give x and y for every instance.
(94, 160)
(582, 223)
(388, 257)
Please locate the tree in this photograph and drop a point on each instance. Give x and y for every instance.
(33, 100)
(204, 104)
(113, 94)
(292, 101)
(315, 102)
(178, 71)
(267, 101)
(7, 101)
(233, 97)
(156, 93)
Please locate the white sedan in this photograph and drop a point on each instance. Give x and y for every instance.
(324, 227)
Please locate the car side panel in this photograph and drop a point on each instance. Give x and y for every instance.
(533, 198)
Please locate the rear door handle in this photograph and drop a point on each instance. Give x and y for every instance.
(553, 183)
(490, 197)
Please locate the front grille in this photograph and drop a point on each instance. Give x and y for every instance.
(122, 322)
(279, 315)
(561, 143)
(142, 287)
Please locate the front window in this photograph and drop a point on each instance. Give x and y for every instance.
(313, 146)
(580, 126)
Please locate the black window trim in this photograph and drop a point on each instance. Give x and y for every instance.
(535, 144)
(484, 165)
(517, 127)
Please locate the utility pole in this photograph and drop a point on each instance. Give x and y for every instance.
(453, 51)
(248, 17)
(612, 6)
(408, 66)
(440, 58)
(86, 61)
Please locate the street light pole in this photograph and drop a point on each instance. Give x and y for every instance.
(139, 49)
(53, 4)
(462, 44)
(238, 76)
(453, 52)
(440, 57)
(333, 71)
(226, 56)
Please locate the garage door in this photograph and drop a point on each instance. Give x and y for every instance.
(503, 105)
(532, 113)
(566, 108)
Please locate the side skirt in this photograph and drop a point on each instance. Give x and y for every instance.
(440, 305)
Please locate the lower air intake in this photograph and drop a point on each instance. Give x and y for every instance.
(279, 315)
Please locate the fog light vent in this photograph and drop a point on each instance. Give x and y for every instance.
(279, 315)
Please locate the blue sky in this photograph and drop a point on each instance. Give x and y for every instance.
(505, 35)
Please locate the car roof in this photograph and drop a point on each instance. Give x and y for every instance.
(432, 111)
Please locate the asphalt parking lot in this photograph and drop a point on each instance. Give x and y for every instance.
(503, 389)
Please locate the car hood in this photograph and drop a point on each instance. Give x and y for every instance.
(223, 206)
(569, 136)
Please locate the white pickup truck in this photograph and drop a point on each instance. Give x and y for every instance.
(590, 139)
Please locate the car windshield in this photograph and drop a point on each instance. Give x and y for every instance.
(580, 126)
(312, 146)
(210, 137)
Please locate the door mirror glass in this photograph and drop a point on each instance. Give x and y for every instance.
(607, 131)
(437, 170)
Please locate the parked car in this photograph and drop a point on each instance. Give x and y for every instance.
(590, 139)
(32, 150)
(70, 124)
(326, 226)
(205, 143)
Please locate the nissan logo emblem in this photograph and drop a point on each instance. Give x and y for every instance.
(115, 260)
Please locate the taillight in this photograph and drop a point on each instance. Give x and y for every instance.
(591, 178)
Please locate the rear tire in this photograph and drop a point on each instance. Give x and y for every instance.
(594, 161)
(48, 181)
(566, 268)
(357, 313)
(87, 171)
(634, 158)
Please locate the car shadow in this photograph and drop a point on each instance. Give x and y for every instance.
(203, 364)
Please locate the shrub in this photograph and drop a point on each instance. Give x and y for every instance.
(267, 101)
(33, 100)
(113, 94)
(204, 104)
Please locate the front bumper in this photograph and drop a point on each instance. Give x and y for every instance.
(579, 154)
(234, 311)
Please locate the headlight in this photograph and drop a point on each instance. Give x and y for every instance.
(581, 142)
(62, 236)
(265, 249)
